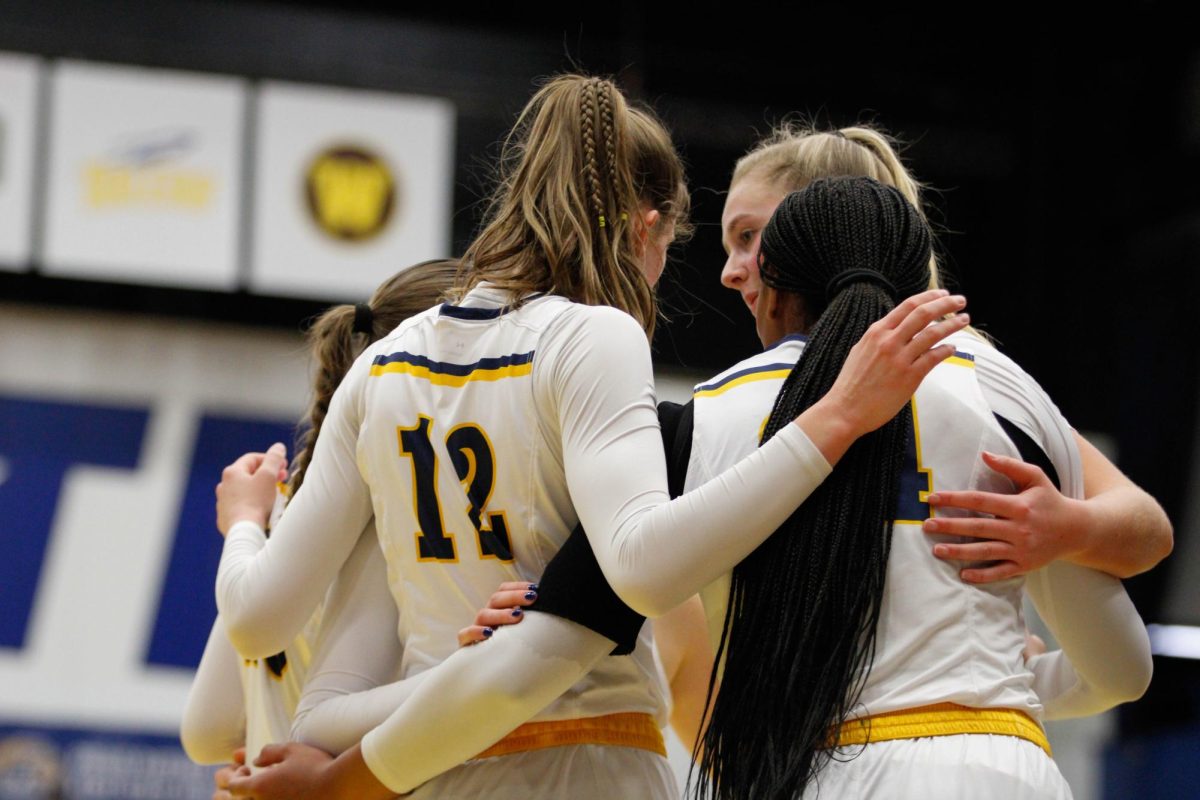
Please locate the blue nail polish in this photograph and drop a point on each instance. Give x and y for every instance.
(517, 612)
(487, 632)
(533, 587)
(531, 595)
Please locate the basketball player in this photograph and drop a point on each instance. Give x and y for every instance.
(353, 634)
(1121, 530)
(889, 643)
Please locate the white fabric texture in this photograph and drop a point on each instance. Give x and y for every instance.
(577, 772)
(356, 652)
(214, 718)
(978, 766)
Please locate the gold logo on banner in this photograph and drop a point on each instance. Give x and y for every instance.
(351, 193)
(115, 185)
(141, 172)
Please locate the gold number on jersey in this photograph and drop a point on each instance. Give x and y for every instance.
(916, 480)
(474, 462)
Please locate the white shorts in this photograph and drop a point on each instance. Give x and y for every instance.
(578, 772)
(979, 766)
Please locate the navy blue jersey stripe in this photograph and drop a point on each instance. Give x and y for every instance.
(741, 374)
(475, 314)
(461, 312)
(446, 368)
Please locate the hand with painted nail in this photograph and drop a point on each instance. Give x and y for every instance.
(1024, 532)
(505, 607)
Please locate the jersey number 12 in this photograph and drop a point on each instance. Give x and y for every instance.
(474, 462)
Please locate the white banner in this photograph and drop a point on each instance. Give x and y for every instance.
(350, 186)
(145, 181)
(18, 119)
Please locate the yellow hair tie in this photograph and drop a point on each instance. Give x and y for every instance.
(601, 220)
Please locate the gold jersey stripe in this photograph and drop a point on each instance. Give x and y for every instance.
(616, 730)
(443, 379)
(754, 376)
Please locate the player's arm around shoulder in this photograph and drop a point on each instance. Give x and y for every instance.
(1125, 530)
(1099, 519)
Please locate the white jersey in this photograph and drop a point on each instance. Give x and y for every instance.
(348, 644)
(245, 702)
(271, 686)
(939, 639)
(271, 689)
(467, 485)
(730, 412)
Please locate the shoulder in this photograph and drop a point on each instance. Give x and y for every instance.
(388, 342)
(593, 332)
(1010, 390)
(597, 320)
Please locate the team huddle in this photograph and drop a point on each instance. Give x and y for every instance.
(832, 540)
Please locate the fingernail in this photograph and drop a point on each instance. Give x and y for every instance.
(940, 551)
(965, 318)
(933, 498)
(487, 633)
(930, 525)
(517, 612)
(533, 587)
(531, 595)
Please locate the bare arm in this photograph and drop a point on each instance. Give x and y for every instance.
(681, 636)
(1125, 530)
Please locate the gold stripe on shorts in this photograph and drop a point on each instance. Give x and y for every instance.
(941, 719)
(617, 730)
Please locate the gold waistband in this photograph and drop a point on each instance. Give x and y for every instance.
(618, 730)
(941, 719)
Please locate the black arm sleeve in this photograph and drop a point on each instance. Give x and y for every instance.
(1030, 451)
(676, 423)
(573, 586)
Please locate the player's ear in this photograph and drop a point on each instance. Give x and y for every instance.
(650, 218)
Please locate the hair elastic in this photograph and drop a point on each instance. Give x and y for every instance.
(844, 279)
(364, 319)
